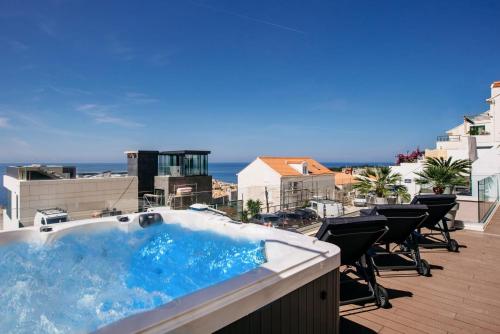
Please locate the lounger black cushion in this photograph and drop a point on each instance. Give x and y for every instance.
(402, 220)
(354, 235)
(439, 206)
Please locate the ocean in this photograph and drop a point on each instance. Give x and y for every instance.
(223, 171)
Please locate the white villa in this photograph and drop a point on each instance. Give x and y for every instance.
(279, 182)
(477, 138)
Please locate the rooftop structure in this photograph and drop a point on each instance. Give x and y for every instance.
(34, 188)
(177, 178)
(41, 172)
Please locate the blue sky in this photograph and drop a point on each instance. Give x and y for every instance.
(82, 81)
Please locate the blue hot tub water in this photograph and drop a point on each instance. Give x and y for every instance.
(83, 281)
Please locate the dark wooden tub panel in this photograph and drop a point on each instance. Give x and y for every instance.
(311, 309)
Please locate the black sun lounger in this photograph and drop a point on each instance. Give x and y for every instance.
(355, 236)
(439, 206)
(402, 221)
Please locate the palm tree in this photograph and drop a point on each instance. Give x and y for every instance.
(254, 207)
(381, 181)
(440, 173)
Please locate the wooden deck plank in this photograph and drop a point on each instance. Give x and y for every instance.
(462, 296)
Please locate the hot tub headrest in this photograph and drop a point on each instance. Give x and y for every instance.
(148, 219)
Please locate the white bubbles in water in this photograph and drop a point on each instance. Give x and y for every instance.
(84, 281)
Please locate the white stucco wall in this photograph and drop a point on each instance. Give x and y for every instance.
(408, 176)
(79, 197)
(487, 164)
(253, 180)
(495, 112)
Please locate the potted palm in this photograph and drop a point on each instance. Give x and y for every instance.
(383, 183)
(442, 174)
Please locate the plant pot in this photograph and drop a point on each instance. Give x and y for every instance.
(380, 200)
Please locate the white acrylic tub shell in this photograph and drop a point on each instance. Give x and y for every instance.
(293, 260)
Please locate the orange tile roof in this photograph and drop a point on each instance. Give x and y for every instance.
(343, 178)
(495, 84)
(282, 165)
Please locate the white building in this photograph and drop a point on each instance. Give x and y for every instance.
(477, 138)
(32, 188)
(280, 182)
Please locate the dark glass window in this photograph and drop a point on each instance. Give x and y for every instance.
(477, 130)
(183, 164)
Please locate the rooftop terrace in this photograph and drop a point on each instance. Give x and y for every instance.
(462, 296)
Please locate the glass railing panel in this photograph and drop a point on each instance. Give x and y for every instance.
(488, 196)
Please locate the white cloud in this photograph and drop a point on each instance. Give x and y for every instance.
(4, 122)
(48, 28)
(159, 59)
(101, 114)
(140, 98)
(120, 50)
(85, 107)
(17, 45)
(20, 143)
(68, 90)
(109, 119)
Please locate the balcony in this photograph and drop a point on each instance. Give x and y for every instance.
(454, 138)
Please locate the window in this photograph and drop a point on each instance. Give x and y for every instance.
(182, 164)
(195, 164)
(477, 130)
(169, 165)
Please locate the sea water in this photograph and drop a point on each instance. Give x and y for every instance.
(83, 281)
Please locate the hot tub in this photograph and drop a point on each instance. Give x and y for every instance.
(269, 279)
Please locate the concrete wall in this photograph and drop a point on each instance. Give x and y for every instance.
(81, 198)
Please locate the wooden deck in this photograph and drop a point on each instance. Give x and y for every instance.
(462, 296)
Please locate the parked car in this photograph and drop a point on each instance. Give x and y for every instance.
(359, 200)
(266, 219)
(290, 219)
(307, 214)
